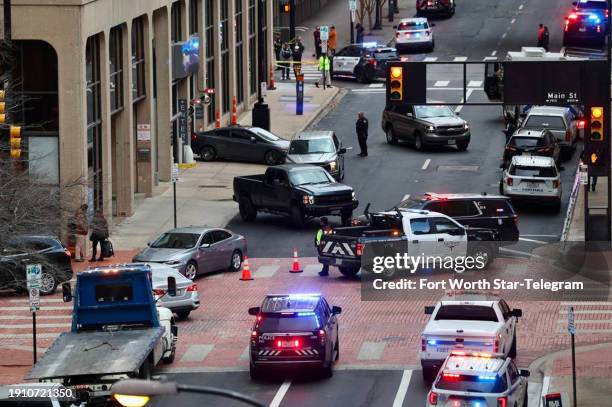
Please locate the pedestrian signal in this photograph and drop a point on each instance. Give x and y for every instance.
(15, 141)
(286, 8)
(396, 84)
(596, 125)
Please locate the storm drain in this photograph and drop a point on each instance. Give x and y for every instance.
(469, 168)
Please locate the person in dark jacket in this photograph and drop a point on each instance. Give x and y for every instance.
(297, 51)
(545, 38)
(99, 233)
(362, 134)
(81, 230)
(278, 44)
(540, 35)
(325, 228)
(317, 41)
(285, 56)
(359, 33)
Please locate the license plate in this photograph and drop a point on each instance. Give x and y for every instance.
(451, 142)
(533, 185)
(582, 29)
(443, 349)
(338, 261)
(287, 344)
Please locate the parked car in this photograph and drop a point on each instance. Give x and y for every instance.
(47, 251)
(531, 142)
(414, 33)
(431, 125)
(241, 143)
(533, 178)
(322, 148)
(561, 121)
(364, 62)
(187, 297)
(439, 7)
(196, 250)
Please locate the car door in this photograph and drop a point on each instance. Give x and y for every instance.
(352, 59)
(221, 142)
(222, 248)
(464, 211)
(245, 146)
(422, 237)
(516, 393)
(451, 237)
(276, 190)
(339, 62)
(329, 322)
(509, 325)
(338, 146)
(205, 254)
(409, 122)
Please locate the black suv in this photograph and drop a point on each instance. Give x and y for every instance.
(294, 330)
(472, 210)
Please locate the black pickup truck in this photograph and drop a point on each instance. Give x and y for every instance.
(300, 191)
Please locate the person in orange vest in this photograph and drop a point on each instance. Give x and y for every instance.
(541, 35)
(331, 41)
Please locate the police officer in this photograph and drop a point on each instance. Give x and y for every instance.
(362, 134)
(324, 228)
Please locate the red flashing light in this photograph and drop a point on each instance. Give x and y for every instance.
(254, 335)
(496, 342)
(572, 16)
(598, 28)
(322, 337)
(192, 287)
(278, 344)
(296, 343)
(581, 123)
(502, 401)
(259, 318)
(433, 398)
(451, 375)
(359, 249)
(552, 396)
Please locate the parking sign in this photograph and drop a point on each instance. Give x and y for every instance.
(34, 299)
(33, 275)
(324, 29)
(352, 5)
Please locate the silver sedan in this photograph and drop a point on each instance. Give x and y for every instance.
(187, 297)
(196, 250)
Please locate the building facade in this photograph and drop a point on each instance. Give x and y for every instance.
(103, 100)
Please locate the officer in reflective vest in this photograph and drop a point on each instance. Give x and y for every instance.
(324, 228)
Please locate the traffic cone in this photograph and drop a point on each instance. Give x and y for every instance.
(271, 84)
(296, 263)
(217, 119)
(234, 111)
(246, 270)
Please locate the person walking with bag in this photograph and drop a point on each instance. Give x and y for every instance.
(99, 233)
(362, 134)
(81, 230)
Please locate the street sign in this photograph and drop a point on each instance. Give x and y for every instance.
(143, 132)
(571, 325)
(324, 30)
(352, 5)
(584, 175)
(175, 173)
(33, 275)
(553, 400)
(34, 299)
(182, 120)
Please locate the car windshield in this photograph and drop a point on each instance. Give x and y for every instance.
(472, 384)
(413, 25)
(545, 122)
(412, 203)
(288, 323)
(466, 313)
(424, 112)
(175, 241)
(314, 146)
(525, 142)
(385, 54)
(265, 134)
(532, 171)
(314, 176)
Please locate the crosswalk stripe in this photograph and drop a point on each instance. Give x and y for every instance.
(441, 83)
(376, 85)
(196, 353)
(266, 271)
(430, 59)
(474, 84)
(460, 59)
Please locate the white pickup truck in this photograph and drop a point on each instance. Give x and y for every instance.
(477, 325)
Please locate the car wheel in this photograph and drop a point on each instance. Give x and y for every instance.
(191, 270)
(328, 371)
(361, 76)
(208, 153)
(512, 353)
(248, 213)
(183, 314)
(337, 349)
(432, 46)
(501, 187)
(254, 372)
(418, 142)
(272, 157)
(297, 215)
(48, 283)
(483, 251)
(391, 137)
(348, 271)
(236, 261)
(462, 145)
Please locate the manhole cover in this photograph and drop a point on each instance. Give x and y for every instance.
(472, 168)
(213, 186)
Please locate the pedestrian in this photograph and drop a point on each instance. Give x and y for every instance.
(331, 41)
(285, 56)
(99, 233)
(298, 49)
(317, 41)
(362, 134)
(324, 68)
(593, 180)
(277, 48)
(359, 33)
(323, 229)
(545, 38)
(81, 230)
(540, 35)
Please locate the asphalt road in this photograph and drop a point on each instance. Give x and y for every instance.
(480, 28)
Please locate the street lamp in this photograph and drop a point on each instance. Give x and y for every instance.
(137, 393)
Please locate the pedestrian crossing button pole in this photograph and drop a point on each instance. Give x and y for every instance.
(299, 98)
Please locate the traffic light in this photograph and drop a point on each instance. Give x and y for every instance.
(596, 126)
(2, 108)
(396, 84)
(15, 141)
(286, 8)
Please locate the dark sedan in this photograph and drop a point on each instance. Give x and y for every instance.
(47, 251)
(240, 143)
(532, 142)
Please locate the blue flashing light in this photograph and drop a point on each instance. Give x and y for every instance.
(305, 314)
(369, 44)
(432, 342)
(303, 296)
(486, 377)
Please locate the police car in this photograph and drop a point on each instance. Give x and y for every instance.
(364, 62)
(584, 27)
(413, 33)
(469, 379)
(534, 178)
(294, 330)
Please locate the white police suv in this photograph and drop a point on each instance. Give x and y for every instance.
(533, 178)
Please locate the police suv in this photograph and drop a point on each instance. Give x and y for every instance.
(364, 62)
(294, 330)
(533, 178)
(472, 379)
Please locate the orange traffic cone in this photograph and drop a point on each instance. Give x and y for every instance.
(246, 270)
(296, 263)
(271, 85)
(217, 120)
(234, 111)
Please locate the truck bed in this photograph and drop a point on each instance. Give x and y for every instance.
(96, 353)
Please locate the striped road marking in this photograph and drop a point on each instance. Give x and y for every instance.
(460, 59)
(266, 271)
(376, 85)
(474, 84)
(441, 83)
(402, 389)
(430, 59)
(280, 394)
(197, 353)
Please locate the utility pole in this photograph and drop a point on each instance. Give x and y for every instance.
(377, 22)
(6, 65)
(291, 20)
(261, 112)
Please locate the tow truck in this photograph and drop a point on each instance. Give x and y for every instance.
(117, 332)
(468, 322)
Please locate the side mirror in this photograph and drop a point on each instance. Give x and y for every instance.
(204, 245)
(67, 292)
(429, 309)
(524, 372)
(254, 311)
(336, 310)
(517, 312)
(253, 140)
(342, 150)
(172, 286)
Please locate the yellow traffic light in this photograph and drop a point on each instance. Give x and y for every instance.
(596, 126)
(2, 118)
(15, 141)
(286, 8)
(396, 91)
